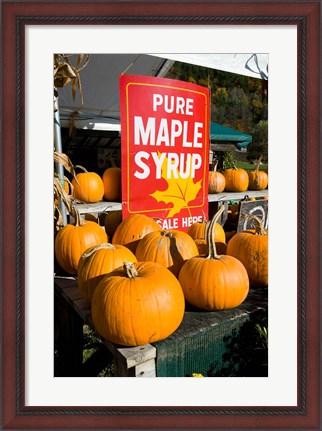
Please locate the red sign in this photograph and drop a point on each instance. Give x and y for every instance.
(165, 149)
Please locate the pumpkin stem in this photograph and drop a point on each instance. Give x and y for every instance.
(258, 163)
(79, 221)
(81, 167)
(166, 233)
(204, 218)
(215, 164)
(212, 252)
(98, 247)
(130, 269)
(257, 223)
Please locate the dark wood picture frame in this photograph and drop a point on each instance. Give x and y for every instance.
(15, 16)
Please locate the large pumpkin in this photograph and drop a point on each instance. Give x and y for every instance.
(251, 248)
(132, 229)
(258, 180)
(88, 186)
(98, 260)
(214, 282)
(138, 304)
(216, 182)
(236, 179)
(73, 239)
(112, 184)
(168, 248)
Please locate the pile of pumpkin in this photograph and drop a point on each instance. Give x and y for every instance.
(237, 179)
(139, 278)
(89, 187)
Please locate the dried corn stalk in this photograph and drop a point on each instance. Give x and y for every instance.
(66, 73)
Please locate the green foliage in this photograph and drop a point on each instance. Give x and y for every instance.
(259, 144)
(225, 159)
(237, 101)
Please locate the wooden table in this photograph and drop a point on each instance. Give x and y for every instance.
(197, 335)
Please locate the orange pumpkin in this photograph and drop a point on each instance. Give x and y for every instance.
(168, 248)
(73, 239)
(138, 304)
(216, 182)
(88, 186)
(251, 248)
(112, 184)
(258, 180)
(214, 282)
(236, 179)
(98, 260)
(111, 221)
(132, 229)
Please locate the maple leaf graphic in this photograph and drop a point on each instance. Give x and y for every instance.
(180, 191)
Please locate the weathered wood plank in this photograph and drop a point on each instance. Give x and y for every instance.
(98, 207)
(146, 369)
(231, 196)
(137, 355)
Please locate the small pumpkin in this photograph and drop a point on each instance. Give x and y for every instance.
(214, 282)
(137, 304)
(258, 180)
(97, 260)
(132, 229)
(111, 221)
(251, 248)
(112, 184)
(236, 179)
(88, 186)
(73, 239)
(216, 182)
(168, 248)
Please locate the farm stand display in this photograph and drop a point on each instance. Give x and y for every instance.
(153, 186)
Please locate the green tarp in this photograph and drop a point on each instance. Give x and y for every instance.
(223, 133)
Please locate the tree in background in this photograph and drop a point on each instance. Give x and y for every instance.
(237, 101)
(259, 146)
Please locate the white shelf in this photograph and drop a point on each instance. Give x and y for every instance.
(231, 196)
(104, 206)
(98, 207)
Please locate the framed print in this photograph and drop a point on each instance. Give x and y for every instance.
(32, 398)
